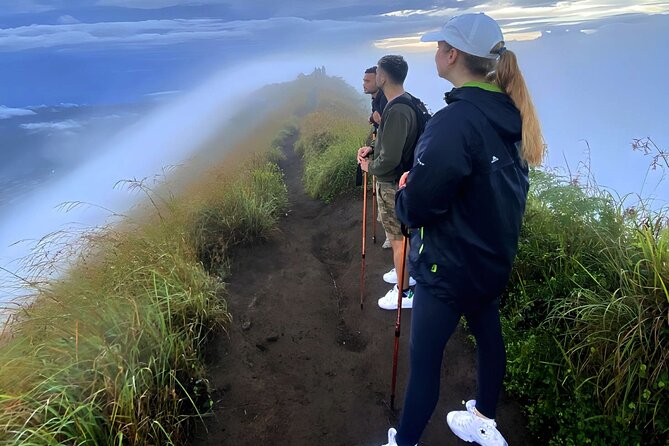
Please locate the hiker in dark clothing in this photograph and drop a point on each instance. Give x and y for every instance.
(378, 105)
(396, 136)
(464, 199)
(379, 102)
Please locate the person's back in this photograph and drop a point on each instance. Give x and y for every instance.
(465, 197)
(469, 230)
(396, 137)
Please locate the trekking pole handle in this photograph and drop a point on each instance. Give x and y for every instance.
(405, 230)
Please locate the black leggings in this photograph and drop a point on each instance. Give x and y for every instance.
(433, 321)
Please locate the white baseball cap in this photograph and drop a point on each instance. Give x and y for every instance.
(475, 34)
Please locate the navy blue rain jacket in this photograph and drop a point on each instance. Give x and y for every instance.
(465, 198)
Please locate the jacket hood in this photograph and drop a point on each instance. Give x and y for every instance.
(497, 107)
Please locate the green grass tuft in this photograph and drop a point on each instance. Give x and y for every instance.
(112, 353)
(586, 317)
(329, 144)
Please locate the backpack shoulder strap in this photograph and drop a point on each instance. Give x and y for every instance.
(403, 100)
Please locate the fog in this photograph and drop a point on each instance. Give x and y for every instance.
(587, 92)
(167, 137)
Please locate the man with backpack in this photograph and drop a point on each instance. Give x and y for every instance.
(403, 119)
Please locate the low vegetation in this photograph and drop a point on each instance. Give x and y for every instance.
(329, 140)
(586, 315)
(586, 318)
(329, 145)
(112, 353)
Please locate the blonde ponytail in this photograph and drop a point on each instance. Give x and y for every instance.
(508, 77)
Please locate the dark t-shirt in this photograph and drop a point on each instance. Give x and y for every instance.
(378, 105)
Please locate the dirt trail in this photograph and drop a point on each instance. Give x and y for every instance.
(303, 365)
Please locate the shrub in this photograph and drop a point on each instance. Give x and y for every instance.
(248, 211)
(329, 145)
(585, 318)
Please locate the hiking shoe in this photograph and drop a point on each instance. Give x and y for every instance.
(391, 437)
(387, 244)
(472, 428)
(389, 301)
(391, 277)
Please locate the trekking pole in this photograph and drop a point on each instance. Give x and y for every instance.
(374, 209)
(398, 321)
(364, 236)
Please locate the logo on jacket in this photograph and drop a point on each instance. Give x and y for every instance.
(494, 160)
(419, 161)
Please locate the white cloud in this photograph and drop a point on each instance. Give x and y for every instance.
(67, 20)
(408, 13)
(413, 44)
(407, 43)
(561, 11)
(155, 4)
(141, 33)
(162, 93)
(7, 112)
(48, 126)
(23, 6)
(61, 105)
(530, 22)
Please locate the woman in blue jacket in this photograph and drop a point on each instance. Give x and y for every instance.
(464, 199)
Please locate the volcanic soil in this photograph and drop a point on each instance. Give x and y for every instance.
(301, 363)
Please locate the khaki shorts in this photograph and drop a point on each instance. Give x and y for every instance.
(385, 198)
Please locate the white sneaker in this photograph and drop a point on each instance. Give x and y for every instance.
(472, 428)
(387, 244)
(391, 277)
(391, 437)
(389, 301)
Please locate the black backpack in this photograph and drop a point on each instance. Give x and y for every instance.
(423, 115)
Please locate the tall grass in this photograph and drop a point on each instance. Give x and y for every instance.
(112, 352)
(587, 317)
(329, 142)
(248, 211)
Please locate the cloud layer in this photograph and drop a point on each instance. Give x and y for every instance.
(133, 34)
(526, 21)
(274, 23)
(70, 124)
(7, 112)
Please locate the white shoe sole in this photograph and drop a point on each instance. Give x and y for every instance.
(412, 281)
(465, 436)
(407, 304)
(461, 435)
